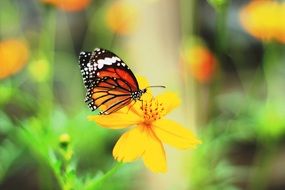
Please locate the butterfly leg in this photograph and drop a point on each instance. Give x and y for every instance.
(131, 106)
(141, 102)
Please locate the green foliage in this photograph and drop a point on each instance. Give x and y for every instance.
(219, 4)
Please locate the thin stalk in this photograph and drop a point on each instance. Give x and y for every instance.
(221, 31)
(47, 52)
(189, 87)
(111, 172)
(221, 8)
(99, 183)
(261, 171)
(221, 45)
(271, 68)
(102, 36)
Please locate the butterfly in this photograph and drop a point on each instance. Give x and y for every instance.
(110, 83)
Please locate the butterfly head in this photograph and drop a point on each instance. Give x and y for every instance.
(137, 94)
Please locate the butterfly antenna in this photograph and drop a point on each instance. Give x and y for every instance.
(157, 86)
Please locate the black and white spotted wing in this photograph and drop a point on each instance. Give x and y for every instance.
(110, 83)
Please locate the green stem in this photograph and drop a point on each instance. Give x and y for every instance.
(187, 17)
(110, 172)
(221, 30)
(101, 37)
(221, 45)
(98, 183)
(261, 171)
(272, 65)
(47, 52)
(189, 86)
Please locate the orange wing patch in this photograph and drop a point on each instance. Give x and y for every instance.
(111, 95)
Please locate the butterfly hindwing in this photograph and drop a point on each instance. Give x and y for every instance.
(108, 95)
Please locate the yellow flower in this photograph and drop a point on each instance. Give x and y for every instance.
(39, 70)
(121, 18)
(69, 5)
(14, 54)
(64, 139)
(264, 20)
(149, 131)
(281, 32)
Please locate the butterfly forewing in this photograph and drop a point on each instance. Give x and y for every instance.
(86, 68)
(109, 81)
(109, 64)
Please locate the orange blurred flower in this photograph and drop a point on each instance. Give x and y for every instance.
(264, 20)
(69, 5)
(121, 18)
(14, 54)
(200, 61)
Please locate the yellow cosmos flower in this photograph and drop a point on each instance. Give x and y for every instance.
(14, 54)
(39, 70)
(121, 18)
(264, 20)
(149, 130)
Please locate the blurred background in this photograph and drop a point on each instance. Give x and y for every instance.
(224, 58)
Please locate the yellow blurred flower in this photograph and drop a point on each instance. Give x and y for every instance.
(200, 61)
(64, 138)
(281, 32)
(149, 131)
(14, 55)
(39, 70)
(69, 5)
(121, 18)
(264, 20)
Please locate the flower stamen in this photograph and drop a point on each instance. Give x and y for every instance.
(152, 110)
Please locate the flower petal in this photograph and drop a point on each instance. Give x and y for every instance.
(174, 134)
(143, 83)
(154, 155)
(117, 120)
(169, 100)
(131, 145)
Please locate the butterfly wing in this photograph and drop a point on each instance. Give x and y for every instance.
(108, 95)
(108, 80)
(85, 68)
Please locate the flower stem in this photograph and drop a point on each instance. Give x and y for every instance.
(98, 184)
(189, 86)
(110, 172)
(221, 7)
(46, 51)
(272, 68)
(261, 171)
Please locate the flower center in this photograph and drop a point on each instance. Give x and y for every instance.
(152, 110)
